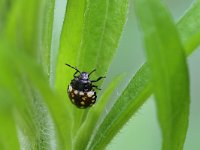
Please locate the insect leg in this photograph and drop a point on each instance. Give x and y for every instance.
(98, 79)
(96, 87)
(75, 74)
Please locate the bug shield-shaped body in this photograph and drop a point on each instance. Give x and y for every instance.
(81, 92)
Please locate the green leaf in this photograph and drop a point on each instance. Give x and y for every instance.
(34, 34)
(89, 40)
(3, 14)
(56, 105)
(34, 115)
(42, 97)
(45, 33)
(169, 71)
(69, 45)
(22, 28)
(69, 42)
(141, 86)
(9, 84)
(87, 128)
(8, 134)
(131, 99)
(103, 25)
(188, 28)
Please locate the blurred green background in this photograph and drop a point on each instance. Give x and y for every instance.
(142, 131)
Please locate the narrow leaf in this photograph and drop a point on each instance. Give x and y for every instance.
(8, 133)
(89, 39)
(103, 25)
(56, 105)
(143, 74)
(22, 28)
(169, 71)
(131, 99)
(45, 33)
(87, 128)
(69, 44)
(188, 27)
(27, 67)
(14, 95)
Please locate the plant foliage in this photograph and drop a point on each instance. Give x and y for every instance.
(35, 112)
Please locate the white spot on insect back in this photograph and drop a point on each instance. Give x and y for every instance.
(82, 103)
(90, 94)
(81, 93)
(70, 88)
(75, 92)
(72, 95)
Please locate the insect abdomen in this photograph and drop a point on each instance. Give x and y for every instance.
(80, 98)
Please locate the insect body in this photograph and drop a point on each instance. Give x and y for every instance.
(81, 89)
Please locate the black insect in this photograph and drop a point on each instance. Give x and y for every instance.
(81, 89)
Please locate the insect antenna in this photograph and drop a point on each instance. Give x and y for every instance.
(92, 72)
(73, 67)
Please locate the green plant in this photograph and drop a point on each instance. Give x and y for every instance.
(35, 112)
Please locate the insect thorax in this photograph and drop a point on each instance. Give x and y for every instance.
(81, 85)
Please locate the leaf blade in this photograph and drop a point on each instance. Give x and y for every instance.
(45, 33)
(89, 40)
(122, 109)
(146, 76)
(188, 28)
(88, 126)
(169, 71)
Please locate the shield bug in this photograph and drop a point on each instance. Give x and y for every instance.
(81, 90)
